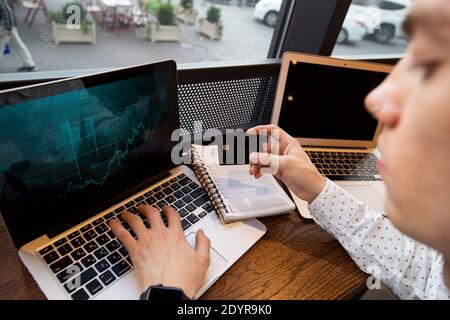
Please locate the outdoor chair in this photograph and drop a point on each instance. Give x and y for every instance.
(124, 19)
(107, 17)
(93, 8)
(33, 6)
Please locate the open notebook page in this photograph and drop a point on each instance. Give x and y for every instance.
(247, 196)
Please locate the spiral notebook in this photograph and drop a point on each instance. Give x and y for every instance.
(234, 193)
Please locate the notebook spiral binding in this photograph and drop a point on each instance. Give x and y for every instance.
(207, 182)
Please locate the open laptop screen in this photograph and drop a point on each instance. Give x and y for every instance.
(327, 102)
(67, 149)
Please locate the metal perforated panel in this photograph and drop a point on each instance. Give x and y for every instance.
(228, 103)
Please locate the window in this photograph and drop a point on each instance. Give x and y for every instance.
(94, 34)
(374, 28)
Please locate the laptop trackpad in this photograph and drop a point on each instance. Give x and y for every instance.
(217, 261)
(367, 194)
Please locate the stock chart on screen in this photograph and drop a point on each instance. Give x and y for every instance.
(83, 138)
(70, 149)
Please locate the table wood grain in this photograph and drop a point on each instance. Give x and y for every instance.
(296, 259)
(15, 280)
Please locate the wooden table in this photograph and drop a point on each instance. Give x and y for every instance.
(295, 259)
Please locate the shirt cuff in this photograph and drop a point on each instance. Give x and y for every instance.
(335, 209)
(319, 199)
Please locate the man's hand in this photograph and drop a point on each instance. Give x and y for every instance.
(162, 255)
(8, 33)
(288, 161)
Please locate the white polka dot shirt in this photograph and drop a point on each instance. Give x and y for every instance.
(410, 269)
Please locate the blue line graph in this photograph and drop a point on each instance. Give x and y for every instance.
(73, 135)
(118, 156)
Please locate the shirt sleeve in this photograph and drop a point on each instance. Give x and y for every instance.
(410, 269)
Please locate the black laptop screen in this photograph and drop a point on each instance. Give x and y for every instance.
(326, 102)
(68, 149)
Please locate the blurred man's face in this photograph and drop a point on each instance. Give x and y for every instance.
(414, 106)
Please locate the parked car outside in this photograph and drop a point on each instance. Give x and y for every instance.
(353, 29)
(267, 11)
(382, 19)
(389, 15)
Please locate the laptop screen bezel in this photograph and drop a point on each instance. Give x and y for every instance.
(325, 61)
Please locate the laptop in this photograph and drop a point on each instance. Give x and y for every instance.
(320, 101)
(76, 153)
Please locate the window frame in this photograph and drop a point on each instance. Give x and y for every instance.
(323, 20)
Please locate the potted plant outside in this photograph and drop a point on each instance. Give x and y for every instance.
(211, 26)
(186, 12)
(65, 31)
(167, 28)
(152, 6)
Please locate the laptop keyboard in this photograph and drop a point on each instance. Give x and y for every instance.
(352, 166)
(98, 257)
